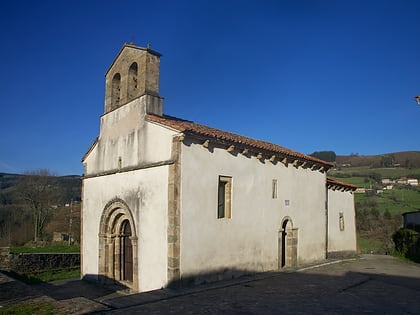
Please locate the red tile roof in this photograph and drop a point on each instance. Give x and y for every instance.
(190, 127)
(333, 182)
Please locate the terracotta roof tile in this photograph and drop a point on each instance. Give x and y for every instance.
(194, 128)
(334, 182)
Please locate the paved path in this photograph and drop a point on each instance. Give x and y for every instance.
(373, 284)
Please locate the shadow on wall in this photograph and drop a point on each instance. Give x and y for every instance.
(210, 277)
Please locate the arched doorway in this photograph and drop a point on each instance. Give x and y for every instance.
(118, 245)
(287, 244)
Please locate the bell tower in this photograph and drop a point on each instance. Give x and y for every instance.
(133, 74)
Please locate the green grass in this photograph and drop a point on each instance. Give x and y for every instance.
(412, 258)
(357, 181)
(398, 201)
(50, 249)
(368, 246)
(29, 308)
(48, 275)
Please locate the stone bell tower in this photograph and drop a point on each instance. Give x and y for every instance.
(133, 74)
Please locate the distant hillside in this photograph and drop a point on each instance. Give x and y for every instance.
(408, 159)
(69, 186)
(16, 218)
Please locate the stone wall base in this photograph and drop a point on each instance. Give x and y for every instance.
(342, 254)
(37, 262)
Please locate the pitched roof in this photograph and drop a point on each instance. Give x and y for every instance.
(90, 149)
(332, 183)
(148, 49)
(189, 127)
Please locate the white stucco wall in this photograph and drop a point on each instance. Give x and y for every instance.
(145, 192)
(345, 240)
(249, 240)
(125, 136)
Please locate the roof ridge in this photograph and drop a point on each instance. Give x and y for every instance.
(196, 128)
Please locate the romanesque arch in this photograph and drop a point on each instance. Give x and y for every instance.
(118, 245)
(115, 90)
(287, 244)
(132, 81)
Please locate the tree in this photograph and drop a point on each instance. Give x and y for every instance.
(38, 191)
(387, 161)
(328, 156)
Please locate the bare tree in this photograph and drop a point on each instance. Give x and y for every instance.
(38, 191)
(5, 234)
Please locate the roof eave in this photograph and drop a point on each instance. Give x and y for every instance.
(335, 184)
(264, 151)
(90, 149)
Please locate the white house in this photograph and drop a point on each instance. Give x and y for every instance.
(166, 200)
(412, 181)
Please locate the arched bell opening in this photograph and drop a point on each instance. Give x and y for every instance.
(132, 81)
(116, 91)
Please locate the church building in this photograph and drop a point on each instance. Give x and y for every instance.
(169, 201)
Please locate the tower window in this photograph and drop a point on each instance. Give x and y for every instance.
(132, 80)
(274, 189)
(224, 199)
(116, 91)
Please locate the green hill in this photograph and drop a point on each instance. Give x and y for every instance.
(408, 159)
(379, 209)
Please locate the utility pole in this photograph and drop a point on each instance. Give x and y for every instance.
(70, 220)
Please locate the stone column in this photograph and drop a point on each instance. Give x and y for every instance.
(135, 287)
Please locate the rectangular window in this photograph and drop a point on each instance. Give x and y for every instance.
(274, 189)
(341, 221)
(224, 197)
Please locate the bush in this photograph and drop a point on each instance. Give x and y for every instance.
(407, 242)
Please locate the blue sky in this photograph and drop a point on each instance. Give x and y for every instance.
(308, 75)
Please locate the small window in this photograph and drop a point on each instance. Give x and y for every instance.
(274, 189)
(341, 221)
(224, 199)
